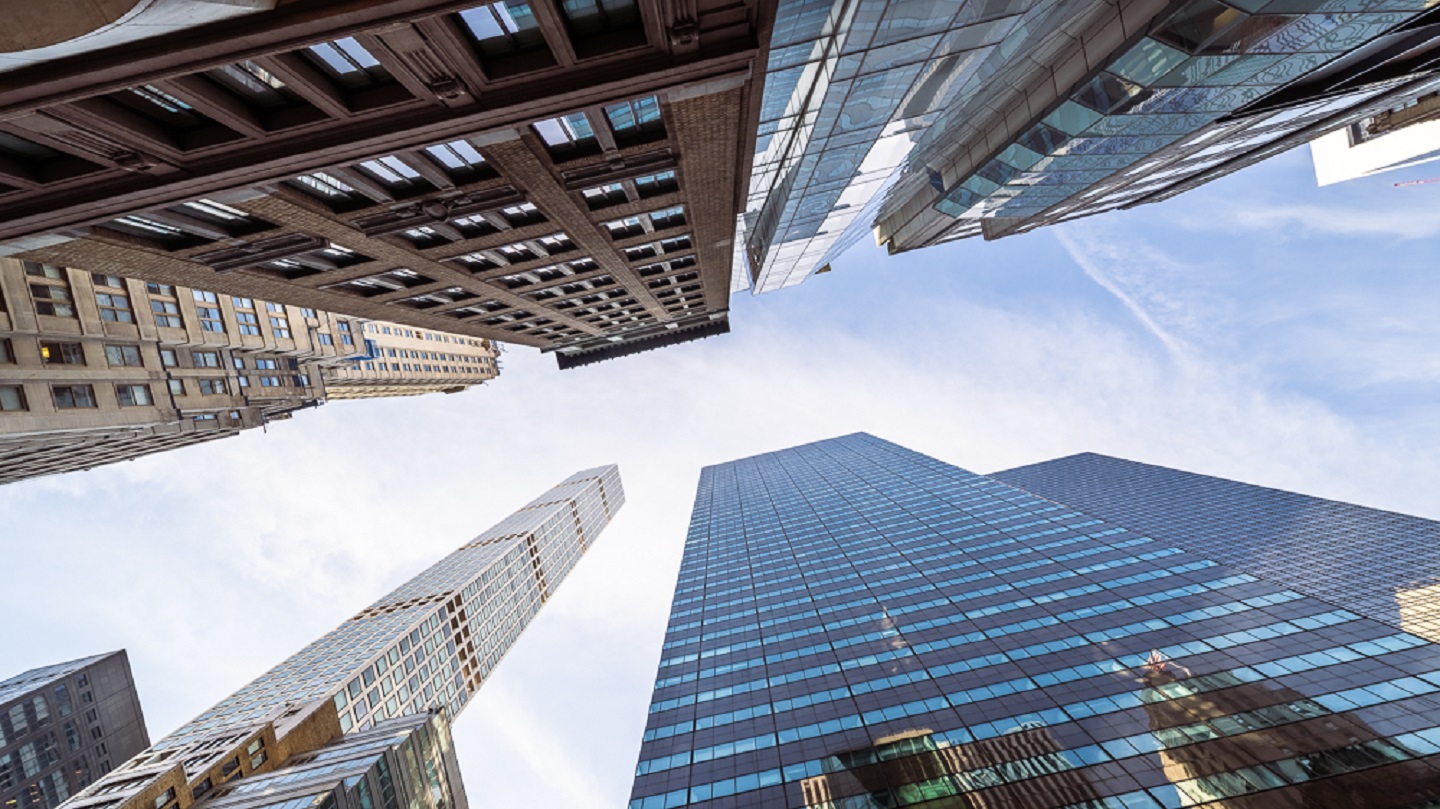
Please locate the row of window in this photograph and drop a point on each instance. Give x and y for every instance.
(71, 397)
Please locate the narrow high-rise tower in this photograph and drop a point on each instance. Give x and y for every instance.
(426, 647)
(857, 625)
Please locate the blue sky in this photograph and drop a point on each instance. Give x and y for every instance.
(1259, 328)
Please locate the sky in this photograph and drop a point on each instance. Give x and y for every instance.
(1258, 328)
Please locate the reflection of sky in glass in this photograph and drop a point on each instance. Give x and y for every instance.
(849, 87)
(1167, 86)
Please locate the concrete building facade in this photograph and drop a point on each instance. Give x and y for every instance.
(65, 725)
(423, 649)
(98, 368)
(558, 175)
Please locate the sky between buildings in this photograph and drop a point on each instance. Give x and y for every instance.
(1259, 328)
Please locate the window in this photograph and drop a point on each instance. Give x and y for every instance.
(205, 359)
(247, 321)
(148, 227)
(62, 354)
(280, 327)
(391, 171)
(210, 319)
(567, 131)
(12, 397)
(325, 339)
(110, 296)
(253, 83)
(673, 216)
(652, 185)
(69, 397)
(602, 195)
(625, 228)
(270, 381)
(457, 155)
(589, 17)
(164, 305)
(125, 356)
(133, 395)
(324, 185)
(176, 386)
(52, 291)
(523, 214)
(7, 352)
(266, 365)
(210, 387)
(503, 28)
(168, 358)
(634, 115)
(557, 243)
(348, 62)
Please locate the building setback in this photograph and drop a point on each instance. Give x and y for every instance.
(426, 647)
(98, 368)
(1381, 564)
(564, 176)
(858, 625)
(65, 725)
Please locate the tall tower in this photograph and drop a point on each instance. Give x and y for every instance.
(425, 647)
(858, 625)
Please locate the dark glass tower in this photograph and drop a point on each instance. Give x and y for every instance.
(1380, 564)
(857, 625)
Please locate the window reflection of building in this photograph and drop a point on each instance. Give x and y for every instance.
(1024, 768)
(1221, 738)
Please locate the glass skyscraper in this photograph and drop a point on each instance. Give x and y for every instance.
(426, 647)
(857, 625)
(1380, 564)
(934, 120)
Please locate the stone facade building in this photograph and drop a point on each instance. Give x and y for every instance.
(564, 176)
(97, 368)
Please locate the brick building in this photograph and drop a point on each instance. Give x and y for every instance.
(564, 176)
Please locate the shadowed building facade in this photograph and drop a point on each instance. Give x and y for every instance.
(558, 175)
(424, 648)
(98, 368)
(857, 625)
(65, 725)
(1383, 565)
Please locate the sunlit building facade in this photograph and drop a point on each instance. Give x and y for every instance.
(426, 647)
(98, 368)
(857, 625)
(1383, 565)
(62, 726)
